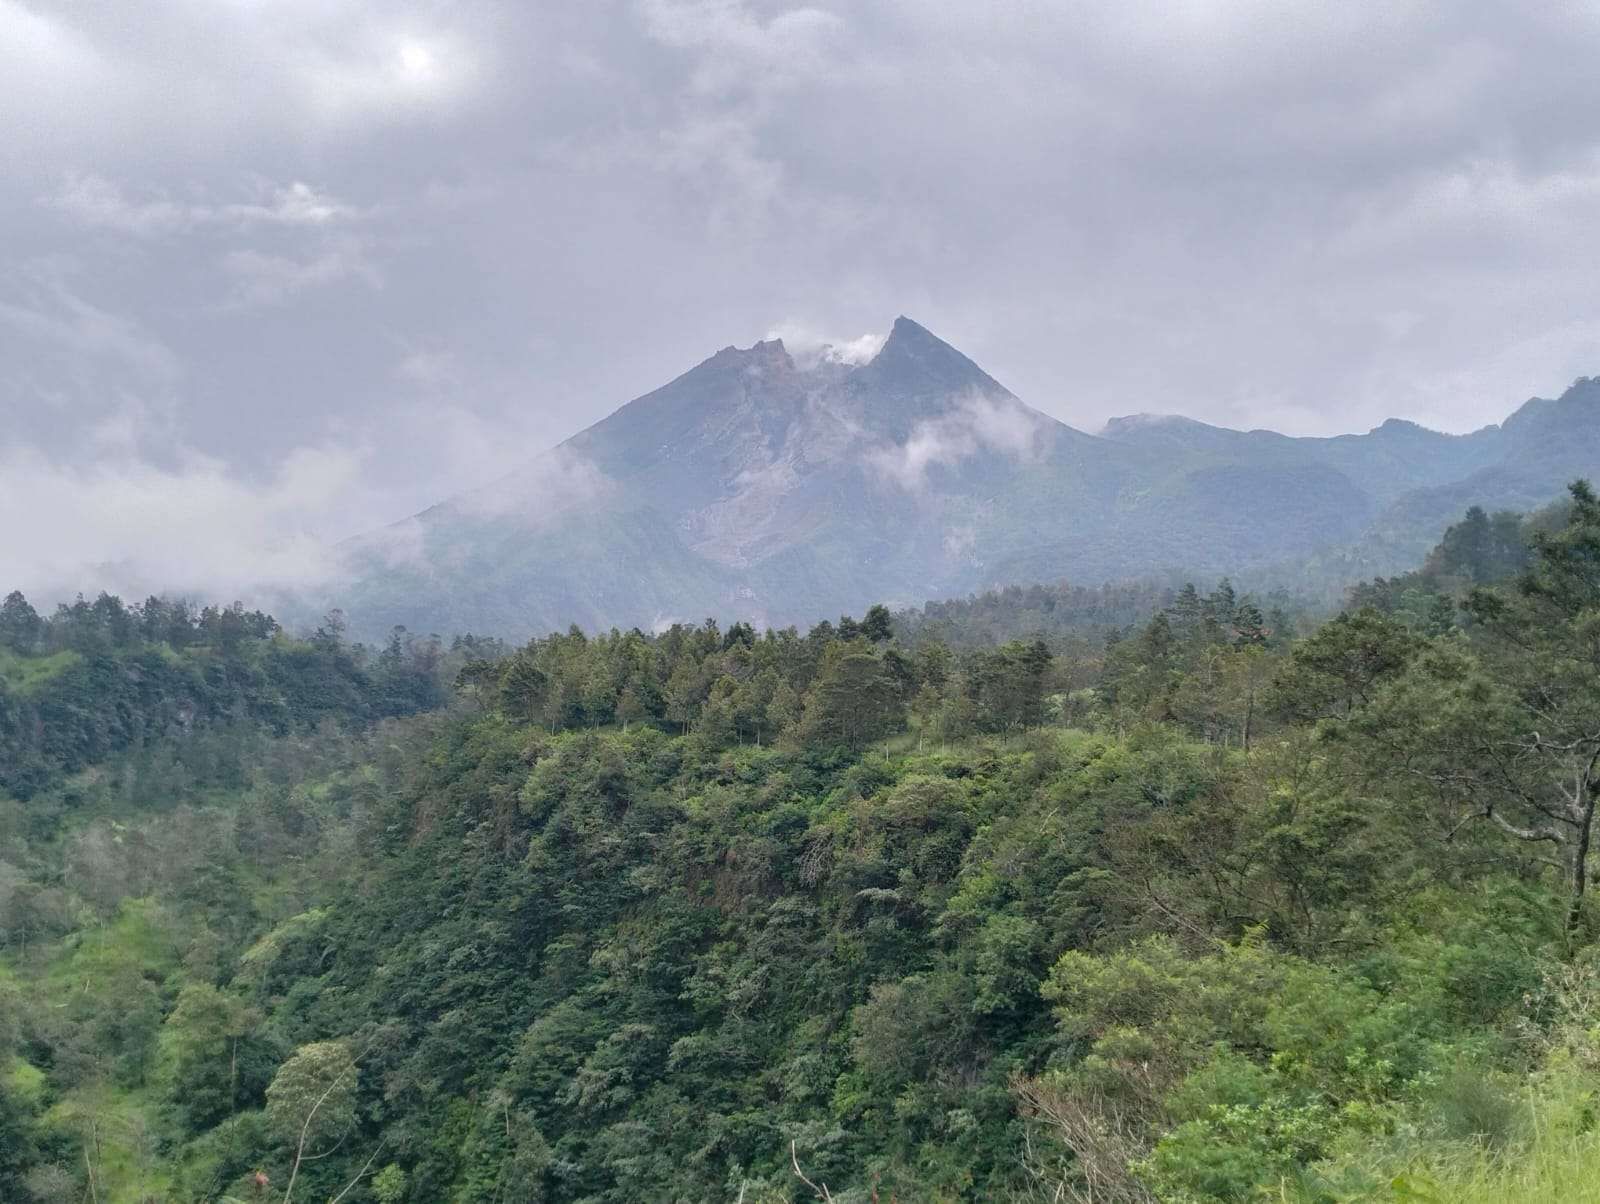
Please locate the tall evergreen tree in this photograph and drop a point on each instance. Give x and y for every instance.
(21, 628)
(854, 700)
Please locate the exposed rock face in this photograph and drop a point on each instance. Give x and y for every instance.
(756, 487)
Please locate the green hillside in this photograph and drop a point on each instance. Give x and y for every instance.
(1021, 897)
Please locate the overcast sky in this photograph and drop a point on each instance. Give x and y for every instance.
(276, 271)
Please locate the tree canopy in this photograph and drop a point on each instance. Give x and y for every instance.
(1214, 902)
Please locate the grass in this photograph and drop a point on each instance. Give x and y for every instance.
(1554, 1170)
(26, 1081)
(89, 975)
(24, 674)
(134, 941)
(1554, 1161)
(116, 1125)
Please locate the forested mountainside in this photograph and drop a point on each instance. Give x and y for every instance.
(98, 679)
(762, 488)
(951, 905)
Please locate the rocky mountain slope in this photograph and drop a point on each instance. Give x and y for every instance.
(758, 487)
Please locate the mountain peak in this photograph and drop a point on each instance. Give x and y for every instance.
(795, 477)
(906, 328)
(908, 338)
(761, 350)
(1397, 427)
(916, 363)
(1578, 407)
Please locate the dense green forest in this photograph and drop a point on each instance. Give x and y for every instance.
(1108, 895)
(99, 680)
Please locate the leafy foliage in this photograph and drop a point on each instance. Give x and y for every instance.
(1208, 906)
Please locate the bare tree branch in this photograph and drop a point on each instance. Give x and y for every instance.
(822, 1192)
(366, 1166)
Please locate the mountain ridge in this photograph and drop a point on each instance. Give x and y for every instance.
(754, 486)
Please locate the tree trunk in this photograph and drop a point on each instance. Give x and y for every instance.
(1580, 864)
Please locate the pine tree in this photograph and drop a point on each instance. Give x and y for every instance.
(785, 709)
(854, 700)
(1249, 625)
(877, 626)
(20, 625)
(1218, 608)
(1187, 612)
(1155, 641)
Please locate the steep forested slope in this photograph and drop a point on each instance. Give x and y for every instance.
(173, 782)
(98, 679)
(1202, 910)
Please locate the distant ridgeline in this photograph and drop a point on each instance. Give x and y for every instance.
(959, 666)
(98, 678)
(1058, 612)
(776, 488)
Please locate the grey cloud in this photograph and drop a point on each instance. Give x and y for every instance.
(265, 279)
(255, 229)
(46, 311)
(98, 202)
(175, 77)
(126, 525)
(538, 493)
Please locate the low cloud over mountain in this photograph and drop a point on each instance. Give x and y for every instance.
(781, 488)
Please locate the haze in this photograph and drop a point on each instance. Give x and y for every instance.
(276, 273)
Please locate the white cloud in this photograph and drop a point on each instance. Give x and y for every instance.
(809, 347)
(1484, 199)
(52, 71)
(429, 369)
(128, 507)
(129, 527)
(398, 545)
(976, 424)
(298, 204)
(741, 66)
(740, 49)
(112, 518)
(97, 202)
(91, 81)
(386, 72)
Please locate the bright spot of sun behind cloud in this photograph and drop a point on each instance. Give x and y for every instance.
(394, 72)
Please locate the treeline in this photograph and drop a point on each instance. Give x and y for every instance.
(850, 683)
(96, 679)
(108, 623)
(1480, 550)
(1217, 905)
(1061, 614)
(1264, 916)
